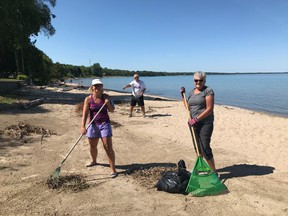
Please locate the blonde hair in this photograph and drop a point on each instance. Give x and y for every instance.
(90, 89)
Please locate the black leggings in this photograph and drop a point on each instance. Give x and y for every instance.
(203, 132)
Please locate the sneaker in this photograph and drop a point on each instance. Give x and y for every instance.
(114, 175)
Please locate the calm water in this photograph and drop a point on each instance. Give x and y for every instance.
(260, 92)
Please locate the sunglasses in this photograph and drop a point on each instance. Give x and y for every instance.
(98, 85)
(195, 80)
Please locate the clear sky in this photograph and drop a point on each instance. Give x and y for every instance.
(171, 35)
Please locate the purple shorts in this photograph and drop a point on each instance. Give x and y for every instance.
(98, 131)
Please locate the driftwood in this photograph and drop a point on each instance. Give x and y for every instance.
(34, 103)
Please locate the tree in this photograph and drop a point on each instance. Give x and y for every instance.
(19, 20)
(96, 70)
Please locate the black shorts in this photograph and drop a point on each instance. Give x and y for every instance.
(139, 101)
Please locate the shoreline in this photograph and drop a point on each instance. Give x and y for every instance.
(262, 102)
(249, 149)
(67, 87)
(222, 105)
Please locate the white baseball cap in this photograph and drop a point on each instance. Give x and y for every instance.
(96, 82)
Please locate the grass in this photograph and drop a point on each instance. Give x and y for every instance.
(8, 80)
(8, 100)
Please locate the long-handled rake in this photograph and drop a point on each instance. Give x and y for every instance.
(203, 180)
(55, 176)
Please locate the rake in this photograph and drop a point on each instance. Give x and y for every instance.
(203, 180)
(55, 176)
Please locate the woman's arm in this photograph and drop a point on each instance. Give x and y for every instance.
(85, 114)
(109, 103)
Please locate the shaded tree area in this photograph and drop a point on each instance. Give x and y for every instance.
(20, 21)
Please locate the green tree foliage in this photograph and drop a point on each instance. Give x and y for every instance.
(96, 70)
(20, 20)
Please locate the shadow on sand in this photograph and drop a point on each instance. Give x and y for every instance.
(242, 170)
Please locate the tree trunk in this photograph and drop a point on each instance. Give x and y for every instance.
(17, 63)
(22, 58)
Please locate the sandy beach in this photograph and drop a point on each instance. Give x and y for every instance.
(249, 149)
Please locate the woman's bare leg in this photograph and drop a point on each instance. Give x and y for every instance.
(107, 143)
(93, 149)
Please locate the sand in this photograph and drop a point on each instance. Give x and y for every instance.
(249, 148)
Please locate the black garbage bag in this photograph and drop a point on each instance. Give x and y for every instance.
(183, 175)
(169, 182)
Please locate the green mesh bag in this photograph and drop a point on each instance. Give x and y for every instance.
(203, 181)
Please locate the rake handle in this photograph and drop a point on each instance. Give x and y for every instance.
(82, 135)
(191, 128)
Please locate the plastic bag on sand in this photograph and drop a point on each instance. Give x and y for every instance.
(169, 182)
(173, 182)
(183, 175)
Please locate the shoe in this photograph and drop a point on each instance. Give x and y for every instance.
(130, 115)
(91, 164)
(114, 175)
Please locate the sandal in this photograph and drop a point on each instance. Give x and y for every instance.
(114, 175)
(91, 164)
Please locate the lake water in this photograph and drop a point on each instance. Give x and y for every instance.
(260, 92)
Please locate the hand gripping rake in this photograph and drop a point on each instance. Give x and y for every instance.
(203, 181)
(56, 173)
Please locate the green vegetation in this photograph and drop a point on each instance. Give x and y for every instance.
(7, 80)
(8, 100)
(21, 21)
(21, 77)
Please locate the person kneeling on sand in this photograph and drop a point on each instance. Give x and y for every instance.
(101, 127)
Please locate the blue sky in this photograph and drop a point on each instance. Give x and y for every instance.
(171, 35)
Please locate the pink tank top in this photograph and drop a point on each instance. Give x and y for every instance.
(94, 108)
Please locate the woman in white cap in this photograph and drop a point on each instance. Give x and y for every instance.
(101, 127)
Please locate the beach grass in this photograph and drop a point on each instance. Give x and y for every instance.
(8, 100)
